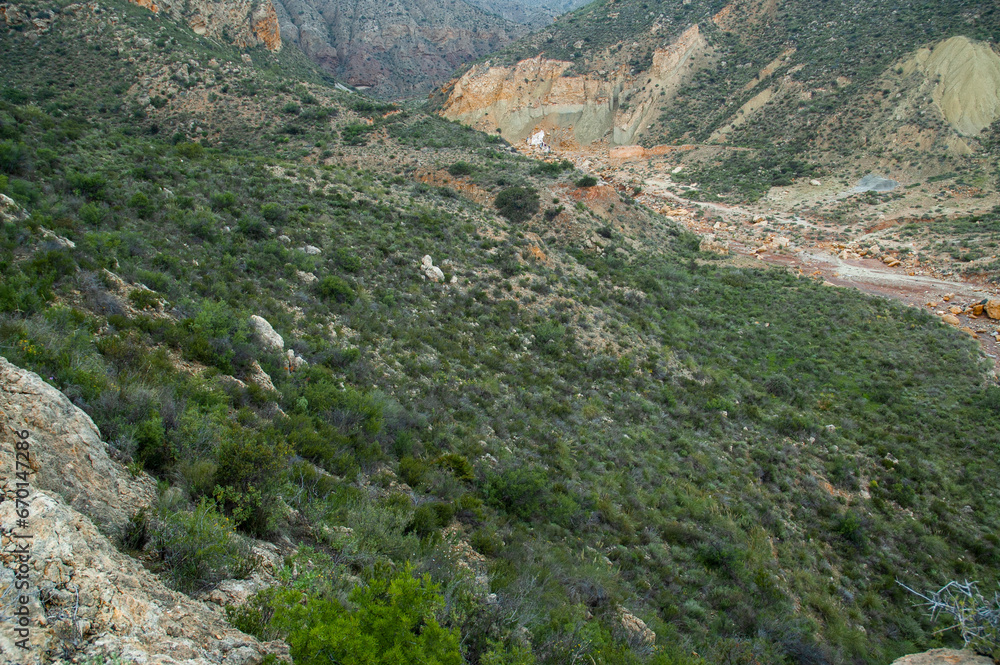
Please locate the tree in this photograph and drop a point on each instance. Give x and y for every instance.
(391, 623)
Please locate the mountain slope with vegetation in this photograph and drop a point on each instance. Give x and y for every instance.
(512, 417)
(802, 86)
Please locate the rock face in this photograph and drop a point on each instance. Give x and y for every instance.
(536, 94)
(67, 454)
(266, 335)
(943, 657)
(399, 48)
(244, 23)
(83, 595)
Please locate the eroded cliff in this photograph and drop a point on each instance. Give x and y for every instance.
(245, 23)
(398, 48)
(538, 94)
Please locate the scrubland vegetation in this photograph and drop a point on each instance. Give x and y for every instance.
(494, 470)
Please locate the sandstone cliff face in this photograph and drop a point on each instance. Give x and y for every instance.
(536, 94)
(86, 597)
(244, 23)
(397, 48)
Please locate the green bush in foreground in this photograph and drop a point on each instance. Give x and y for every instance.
(391, 622)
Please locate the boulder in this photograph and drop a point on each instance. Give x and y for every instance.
(815, 183)
(257, 376)
(66, 454)
(431, 271)
(10, 211)
(295, 362)
(944, 657)
(951, 319)
(636, 632)
(992, 309)
(267, 336)
(955, 309)
(311, 250)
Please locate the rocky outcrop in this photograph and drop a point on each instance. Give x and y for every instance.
(397, 49)
(83, 596)
(943, 657)
(266, 335)
(10, 211)
(536, 94)
(244, 23)
(67, 454)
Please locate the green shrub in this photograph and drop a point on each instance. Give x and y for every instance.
(141, 204)
(250, 469)
(518, 204)
(586, 181)
(273, 213)
(461, 168)
(200, 548)
(519, 491)
(337, 289)
(223, 200)
(391, 621)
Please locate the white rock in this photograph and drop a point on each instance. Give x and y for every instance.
(311, 250)
(268, 337)
(815, 183)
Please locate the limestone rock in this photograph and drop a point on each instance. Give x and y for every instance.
(295, 362)
(86, 595)
(66, 452)
(10, 211)
(305, 277)
(992, 309)
(259, 377)
(711, 244)
(950, 319)
(943, 657)
(270, 339)
(431, 271)
(311, 250)
(815, 183)
(636, 631)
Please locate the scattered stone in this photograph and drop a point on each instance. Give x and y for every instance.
(711, 244)
(285, 239)
(259, 377)
(637, 633)
(977, 309)
(311, 250)
(955, 310)
(951, 320)
(970, 331)
(992, 309)
(270, 339)
(948, 296)
(295, 362)
(57, 240)
(305, 277)
(815, 183)
(431, 271)
(10, 211)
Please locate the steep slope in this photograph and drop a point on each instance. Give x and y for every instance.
(796, 82)
(477, 393)
(243, 23)
(397, 49)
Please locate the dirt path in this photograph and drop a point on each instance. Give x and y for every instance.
(869, 275)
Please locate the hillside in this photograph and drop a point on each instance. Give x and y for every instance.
(408, 396)
(805, 86)
(397, 49)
